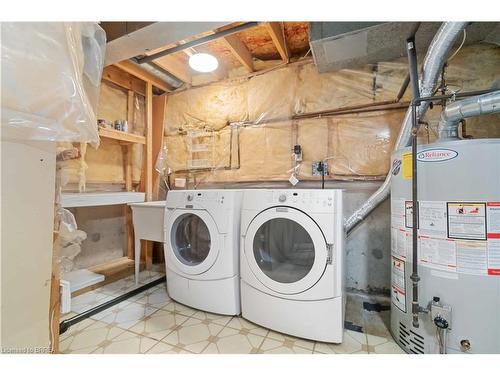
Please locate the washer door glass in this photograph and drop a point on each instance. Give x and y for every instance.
(191, 239)
(283, 250)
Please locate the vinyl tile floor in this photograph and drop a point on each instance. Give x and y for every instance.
(152, 323)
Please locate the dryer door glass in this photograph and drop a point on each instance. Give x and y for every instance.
(283, 250)
(191, 239)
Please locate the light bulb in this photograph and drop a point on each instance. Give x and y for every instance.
(203, 62)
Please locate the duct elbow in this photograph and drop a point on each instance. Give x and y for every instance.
(448, 130)
(471, 107)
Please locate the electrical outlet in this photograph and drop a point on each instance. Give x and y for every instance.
(316, 172)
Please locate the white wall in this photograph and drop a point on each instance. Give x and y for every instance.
(27, 216)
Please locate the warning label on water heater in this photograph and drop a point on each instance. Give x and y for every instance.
(398, 284)
(493, 214)
(466, 220)
(437, 253)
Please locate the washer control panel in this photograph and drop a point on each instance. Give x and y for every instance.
(204, 196)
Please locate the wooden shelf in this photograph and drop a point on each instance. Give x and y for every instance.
(100, 198)
(121, 136)
(113, 270)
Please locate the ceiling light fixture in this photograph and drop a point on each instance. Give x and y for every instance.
(203, 62)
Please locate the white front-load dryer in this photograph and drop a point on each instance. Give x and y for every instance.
(202, 249)
(291, 255)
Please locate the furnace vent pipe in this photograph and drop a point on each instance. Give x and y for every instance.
(433, 63)
(475, 106)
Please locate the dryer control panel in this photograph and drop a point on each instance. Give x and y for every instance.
(306, 199)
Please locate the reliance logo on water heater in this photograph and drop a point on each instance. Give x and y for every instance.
(436, 154)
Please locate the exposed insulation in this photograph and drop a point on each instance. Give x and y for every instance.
(363, 143)
(265, 151)
(213, 106)
(318, 92)
(112, 103)
(313, 136)
(105, 164)
(260, 44)
(177, 152)
(220, 49)
(272, 95)
(297, 37)
(355, 145)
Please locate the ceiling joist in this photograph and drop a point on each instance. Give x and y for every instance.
(240, 51)
(120, 78)
(220, 72)
(138, 72)
(176, 66)
(278, 36)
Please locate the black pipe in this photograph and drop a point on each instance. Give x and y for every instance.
(413, 69)
(323, 176)
(65, 324)
(196, 42)
(413, 66)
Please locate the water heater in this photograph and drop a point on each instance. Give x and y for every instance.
(458, 247)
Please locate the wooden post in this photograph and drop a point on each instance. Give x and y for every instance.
(159, 103)
(127, 161)
(149, 141)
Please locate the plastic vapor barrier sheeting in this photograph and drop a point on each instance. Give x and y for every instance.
(51, 75)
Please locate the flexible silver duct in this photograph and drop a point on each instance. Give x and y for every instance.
(474, 106)
(433, 63)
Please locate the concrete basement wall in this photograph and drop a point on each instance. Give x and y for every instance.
(106, 240)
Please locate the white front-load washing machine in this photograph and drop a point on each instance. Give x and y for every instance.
(202, 249)
(291, 256)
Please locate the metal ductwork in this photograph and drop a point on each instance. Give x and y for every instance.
(470, 107)
(348, 45)
(341, 45)
(435, 58)
(161, 74)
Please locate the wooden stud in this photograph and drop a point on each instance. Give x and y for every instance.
(131, 109)
(176, 66)
(147, 253)
(240, 51)
(120, 78)
(278, 37)
(128, 148)
(128, 164)
(149, 142)
(147, 171)
(140, 73)
(220, 72)
(159, 104)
